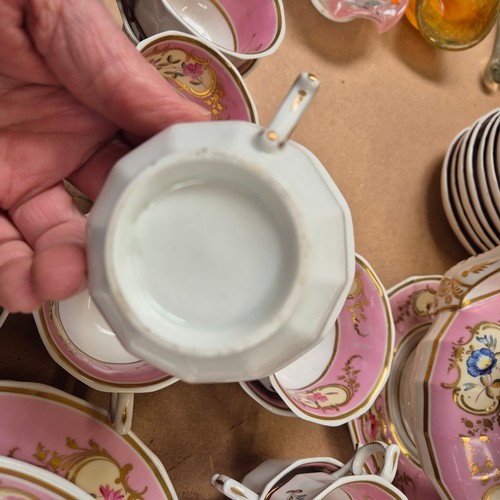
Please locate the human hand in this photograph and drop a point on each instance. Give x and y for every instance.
(69, 82)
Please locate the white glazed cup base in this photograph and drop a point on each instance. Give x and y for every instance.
(207, 252)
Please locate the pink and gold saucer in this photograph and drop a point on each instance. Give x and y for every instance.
(201, 74)
(387, 420)
(79, 339)
(67, 436)
(341, 377)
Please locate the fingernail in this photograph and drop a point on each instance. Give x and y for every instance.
(199, 109)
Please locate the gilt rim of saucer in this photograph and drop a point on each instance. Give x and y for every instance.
(45, 392)
(358, 437)
(362, 406)
(85, 377)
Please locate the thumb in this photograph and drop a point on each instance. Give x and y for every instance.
(88, 53)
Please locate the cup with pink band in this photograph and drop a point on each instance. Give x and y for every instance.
(244, 32)
(317, 478)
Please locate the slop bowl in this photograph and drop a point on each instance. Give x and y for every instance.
(455, 390)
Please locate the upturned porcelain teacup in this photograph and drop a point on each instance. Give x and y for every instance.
(219, 251)
(243, 31)
(317, 478)
(455, 389)
(80, 340)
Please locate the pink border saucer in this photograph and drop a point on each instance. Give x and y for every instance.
(410, 302)
(201, 74)
(358, 352)
(65, 435)
(119, 377)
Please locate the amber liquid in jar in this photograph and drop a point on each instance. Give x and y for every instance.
(453, 24)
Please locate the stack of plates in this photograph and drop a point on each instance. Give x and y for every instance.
(470, 184)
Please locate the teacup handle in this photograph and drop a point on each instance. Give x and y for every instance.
(232, 489)
(121, 409)
(289, 113)
(391, 457)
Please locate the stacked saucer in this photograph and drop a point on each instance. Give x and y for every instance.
(470, 188)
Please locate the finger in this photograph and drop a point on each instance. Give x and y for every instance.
(16, 290)
(59, 271)
(18, 58)
(90, 177)
(16, 257)
(49, 218)
(55, 229)
(91, 56)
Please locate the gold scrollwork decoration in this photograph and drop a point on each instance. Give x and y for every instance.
(193, 75)
(419, 303)
(92, 468)
(357, 309)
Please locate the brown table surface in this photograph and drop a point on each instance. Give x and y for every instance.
(387, 109)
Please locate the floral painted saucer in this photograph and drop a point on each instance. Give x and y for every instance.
(412, 304)
(201, 74)
(67, 436)
(22, 481)
(340, 378)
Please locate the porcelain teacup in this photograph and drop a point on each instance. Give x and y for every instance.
(317, 478)
(455, 389)
(243, 31)
(80, 340)
(219, 251)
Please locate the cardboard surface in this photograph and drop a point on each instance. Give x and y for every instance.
(386, 111)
